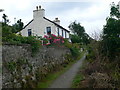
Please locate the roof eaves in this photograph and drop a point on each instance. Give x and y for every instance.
(28, 24)
(55, 24)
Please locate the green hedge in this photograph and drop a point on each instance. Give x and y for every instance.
(17, 39)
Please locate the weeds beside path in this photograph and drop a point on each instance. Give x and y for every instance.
(53, 76)
(65, 80)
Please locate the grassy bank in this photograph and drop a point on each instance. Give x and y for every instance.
(97, 74)
(79, 77)
(52, 76)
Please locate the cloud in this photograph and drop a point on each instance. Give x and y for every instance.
(92, 17)
(90, 13)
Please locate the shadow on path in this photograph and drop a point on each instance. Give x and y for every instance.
(65, 80)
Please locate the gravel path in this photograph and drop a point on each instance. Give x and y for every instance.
(65, 80)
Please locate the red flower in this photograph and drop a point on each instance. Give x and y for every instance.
(53, 35)
(45, 36)
(62, 41)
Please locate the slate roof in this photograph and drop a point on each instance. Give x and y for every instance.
(56, 24)
(49, 21)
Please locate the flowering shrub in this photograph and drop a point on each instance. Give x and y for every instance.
(53, 40)
(45, 41)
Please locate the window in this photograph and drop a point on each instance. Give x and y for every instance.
(29, 32)
(62, 34)
(58, 31)
(65, 34)
(48, 30)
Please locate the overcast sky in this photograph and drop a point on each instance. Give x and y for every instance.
(90, 13)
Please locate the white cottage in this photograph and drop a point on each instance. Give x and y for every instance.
(40, 25)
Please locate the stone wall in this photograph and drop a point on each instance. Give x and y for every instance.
(19, 63)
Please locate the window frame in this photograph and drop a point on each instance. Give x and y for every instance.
(29, 32)
(62, 34)
(48, 30)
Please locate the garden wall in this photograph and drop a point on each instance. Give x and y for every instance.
(20, 65)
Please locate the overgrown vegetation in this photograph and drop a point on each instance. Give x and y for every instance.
(111, 34)
(10, 36)
(17, 39)
(79, 36)
(101, 68)
(56, 71)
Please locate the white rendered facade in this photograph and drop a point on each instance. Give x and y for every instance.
(38, 26)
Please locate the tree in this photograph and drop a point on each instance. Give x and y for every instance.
(6, 29)
(111, 34)
(79, 33)
(18, 26)
(75, 38)
(76, 28)
(1, 10)
(5, 20)
(115, 11)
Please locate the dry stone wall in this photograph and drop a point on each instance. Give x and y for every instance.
(19, 63)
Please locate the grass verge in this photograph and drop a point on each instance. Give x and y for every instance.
(79, 77)
(52, 76)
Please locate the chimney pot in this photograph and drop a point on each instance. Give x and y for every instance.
(39, 7)
(36, 7)
(56, 19)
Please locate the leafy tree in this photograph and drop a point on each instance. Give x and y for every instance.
(1, 10)
(76, 28)
(5, 20)
(111, 34)
(18, 26)
(79, 33)
(6, 29)
(115, 11)
(75, 38)
(86, 38)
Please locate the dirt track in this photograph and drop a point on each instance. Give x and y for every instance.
(65, 80)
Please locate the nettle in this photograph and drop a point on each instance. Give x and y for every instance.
(52, 40)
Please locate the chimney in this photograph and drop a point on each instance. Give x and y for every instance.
(38, 13)
(57, 21)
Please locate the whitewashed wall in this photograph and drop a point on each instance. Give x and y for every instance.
(39, 24)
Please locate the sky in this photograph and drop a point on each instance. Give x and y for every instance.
(91, 14)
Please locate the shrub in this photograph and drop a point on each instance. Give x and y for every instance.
(67, 43)
(52, 40)
(75, 51)
(75, 38)
(17, 39)
(35, 44)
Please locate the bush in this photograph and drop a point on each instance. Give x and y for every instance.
(35, 44)
(74, 48)
(75, 38)
(52, 40)
(75, 51)
(17, 39)
(67, 43)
